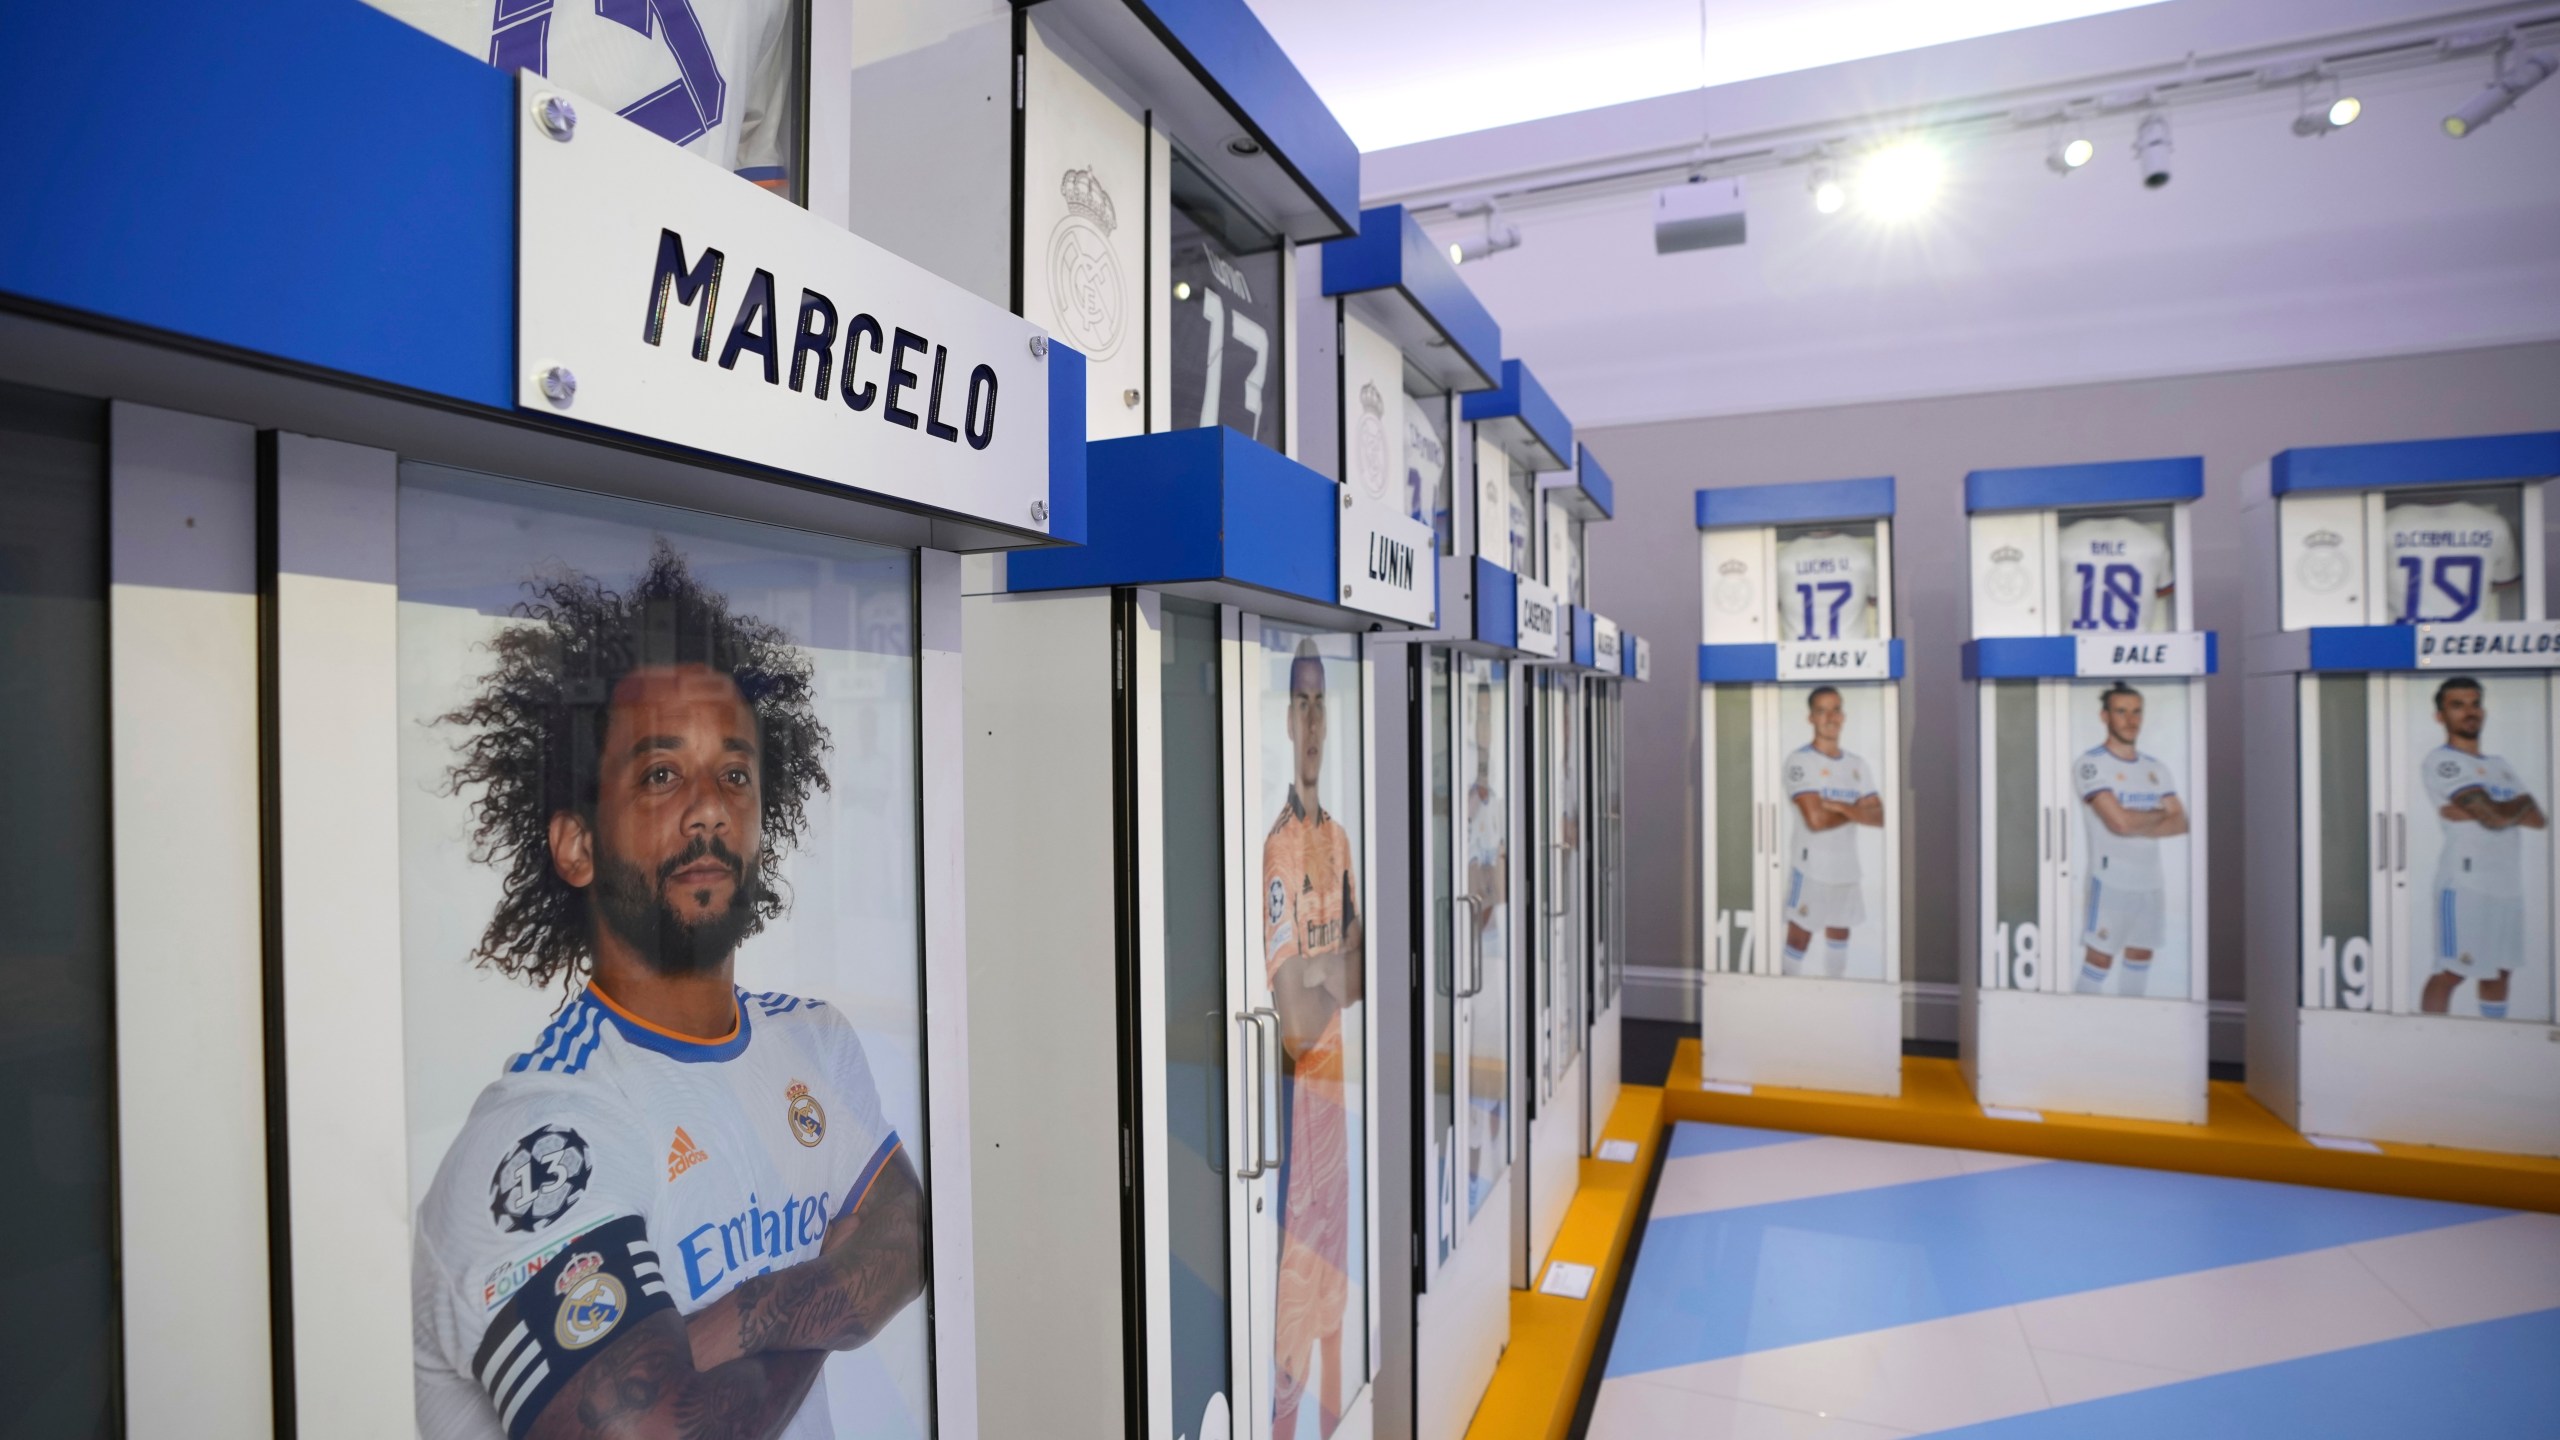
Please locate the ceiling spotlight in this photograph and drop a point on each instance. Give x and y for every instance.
(1828, 193)
(2515, 75)
(1499, 235)
(2151, 149)
(2070, 155)
(1900, 181)
(2317, 119)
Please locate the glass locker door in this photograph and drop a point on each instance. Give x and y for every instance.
(1485, 871)
(2020, 875)
(1304, 734)
(2124, 814)
(2470, 768)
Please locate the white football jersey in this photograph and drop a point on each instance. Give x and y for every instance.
(1426, 466)
(1485, 819)
(2142, 783)
(714, 76)
(2115, 573)
(613, 1171)
(1829, 856)
(2475, 857)
(2443, 560)
(1827, 587)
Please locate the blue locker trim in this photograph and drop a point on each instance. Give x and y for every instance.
(1068, 513)
(2111, 482)
(1802, 503)
(1541, 429)
(1584, 491)
(306, 179)
(1392, 253)
(1584, 636)
(1211, 69)
(2417, 462)
(1736, 664)
(2019, 657)
(1497, 604)
(1627, 653)
(1204, 505)
(2364, 647)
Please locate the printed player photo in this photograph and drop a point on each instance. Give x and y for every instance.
(1831, 792)
(2483, 805)
(2131, 806)
(676, 1201)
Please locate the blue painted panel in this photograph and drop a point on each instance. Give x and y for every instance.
(1068, 515)
(306, 179)
(2468, 460)
(1737, 664)
(1585, 636)
(1205, 504)
(1697, 1137)
(2490, 1378)
(1903, 1254)
(1520, 398)
(1803, 503)
(1627, 654)
(1596, 483)
(1226, 46)
(1497, 604)
(2364, 647)
(1392, 252)
(2021, 657)
(2112, 482)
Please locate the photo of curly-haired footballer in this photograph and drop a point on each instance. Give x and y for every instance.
(666, 1214)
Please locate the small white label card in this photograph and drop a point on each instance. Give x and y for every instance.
(1835, 660)
(1541, 618)
(2494, 645)
(1567, 1279)
(1618, 1152)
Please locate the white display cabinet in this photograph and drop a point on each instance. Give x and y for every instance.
(1594, 900)
(2401, 867)
(1800, 790)
(2083, 856)
(1177, 734)
(1406, 339)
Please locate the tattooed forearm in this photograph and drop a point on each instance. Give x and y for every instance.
(871, 1267)
(643, 1384)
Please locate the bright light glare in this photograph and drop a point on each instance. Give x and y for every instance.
(1899, 181)
(2345, 109)
(1457, 253)
(1828, 197)
(2078, 153)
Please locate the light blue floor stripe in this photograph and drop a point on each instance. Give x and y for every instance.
(1730, 1282)
(2495, 1379)
(1695, 1137)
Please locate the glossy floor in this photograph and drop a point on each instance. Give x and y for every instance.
(1801, 1285)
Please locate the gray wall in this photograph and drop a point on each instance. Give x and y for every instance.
(1644, 572)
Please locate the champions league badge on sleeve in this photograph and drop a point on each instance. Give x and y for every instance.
(539, 1180)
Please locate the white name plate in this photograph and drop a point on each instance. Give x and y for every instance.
(1540, 617)
(1386, 561)
(2494, 645)
(2174, 653)
(1644, 658)
(1835, 660)
(1604, 644)
(664, 297)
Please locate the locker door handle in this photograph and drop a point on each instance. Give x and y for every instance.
(2044, 832)
(2381, 841)
(2400, 841)
(1251, 1029)
(2062, 833)
(1273, 1141)
(1470, 941)
(1560, 872)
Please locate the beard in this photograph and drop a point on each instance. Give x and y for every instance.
(637, 911)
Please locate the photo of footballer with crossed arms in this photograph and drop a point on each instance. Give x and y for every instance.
(666, 1215)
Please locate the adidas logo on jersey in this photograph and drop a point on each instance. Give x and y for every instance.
(683, 1154)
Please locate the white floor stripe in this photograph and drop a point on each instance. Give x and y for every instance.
(1809, 1169)
(1634, 1410)
(1967, 1369)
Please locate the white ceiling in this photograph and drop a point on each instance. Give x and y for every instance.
(1398, 71)
(2265, 249)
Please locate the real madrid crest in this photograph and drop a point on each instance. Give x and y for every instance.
(808, 1118)
(2324, 565)
(2007, 580)
(1084, 272)
(591, 1301)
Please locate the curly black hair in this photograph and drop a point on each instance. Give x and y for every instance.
(538, 727)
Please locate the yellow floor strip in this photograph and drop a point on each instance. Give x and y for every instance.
(2239, 1138)
(1539, 1379)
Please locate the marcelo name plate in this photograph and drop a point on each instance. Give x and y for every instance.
(667, 298)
